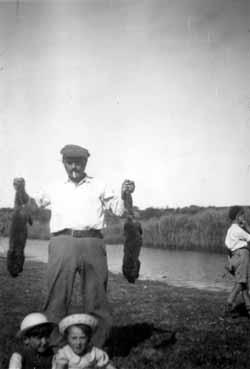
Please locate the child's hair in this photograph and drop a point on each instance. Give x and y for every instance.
(86, 329)
(234, 211)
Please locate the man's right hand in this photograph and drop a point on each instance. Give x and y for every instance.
(19, 183)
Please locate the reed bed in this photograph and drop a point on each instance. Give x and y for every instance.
(193, 228)
(204, 230)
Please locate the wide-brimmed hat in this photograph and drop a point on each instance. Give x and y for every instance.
(34, 320)
(74, 319)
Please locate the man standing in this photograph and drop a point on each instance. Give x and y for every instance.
(76, 245)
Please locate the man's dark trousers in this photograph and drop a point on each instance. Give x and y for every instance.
(87, 256)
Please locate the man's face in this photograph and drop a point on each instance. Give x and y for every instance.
(75, 168)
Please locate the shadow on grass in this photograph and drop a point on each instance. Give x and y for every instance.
(240, 310)
(124, 338)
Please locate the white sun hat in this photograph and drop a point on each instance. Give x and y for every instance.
(34, 320)
(77, 319)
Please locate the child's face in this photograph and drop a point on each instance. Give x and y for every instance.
(38, 343)
(77, 340)
(241, 218)
(38, 339)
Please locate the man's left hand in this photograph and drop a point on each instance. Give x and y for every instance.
(128, 186)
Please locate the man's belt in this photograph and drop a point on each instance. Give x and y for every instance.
(78, 233)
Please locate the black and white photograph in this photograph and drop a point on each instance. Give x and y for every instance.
(125, 184)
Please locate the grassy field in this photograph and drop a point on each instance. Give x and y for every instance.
(196, 335)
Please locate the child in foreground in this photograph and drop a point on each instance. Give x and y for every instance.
(34, 351)
(79, 353)
(237, 241)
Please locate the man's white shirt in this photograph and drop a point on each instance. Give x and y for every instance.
(80, 206)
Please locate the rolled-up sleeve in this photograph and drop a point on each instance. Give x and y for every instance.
(112, 202)
(42, 199)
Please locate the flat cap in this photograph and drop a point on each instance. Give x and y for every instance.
(74, 151)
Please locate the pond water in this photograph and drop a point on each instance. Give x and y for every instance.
(179, 268)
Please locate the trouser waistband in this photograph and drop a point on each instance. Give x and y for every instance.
(78, 233)
(230, 252)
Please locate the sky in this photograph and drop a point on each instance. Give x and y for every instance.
(158, 91)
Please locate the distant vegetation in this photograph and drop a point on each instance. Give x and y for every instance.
(188, 228)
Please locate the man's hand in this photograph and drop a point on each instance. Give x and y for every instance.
(128, 187)
(19, 183)
(21, 197)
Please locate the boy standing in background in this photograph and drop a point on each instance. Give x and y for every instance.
(237, 241)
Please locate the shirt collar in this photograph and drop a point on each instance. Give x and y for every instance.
(86, 179)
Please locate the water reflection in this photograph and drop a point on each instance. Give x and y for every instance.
(180, 268)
